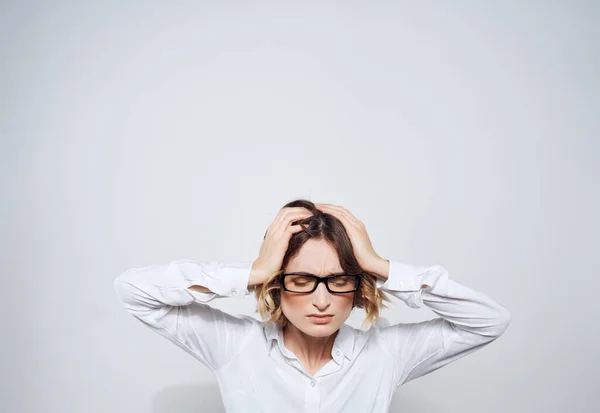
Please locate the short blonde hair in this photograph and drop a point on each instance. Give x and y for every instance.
(320, 226)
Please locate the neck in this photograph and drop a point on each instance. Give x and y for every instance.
(311, 350)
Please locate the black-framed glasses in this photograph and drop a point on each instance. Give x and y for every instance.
(298, 282)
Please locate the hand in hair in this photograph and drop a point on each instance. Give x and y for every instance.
(276, 243)
(365, 254)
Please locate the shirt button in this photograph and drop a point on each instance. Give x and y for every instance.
(234, 291)
(312, 384)
(337, 353)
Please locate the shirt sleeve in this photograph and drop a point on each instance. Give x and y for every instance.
(158, 295)
(469, 320)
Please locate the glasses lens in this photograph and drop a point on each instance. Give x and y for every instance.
(299, 283)
(343, 283)
(338, 284)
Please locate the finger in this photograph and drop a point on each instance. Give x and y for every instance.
(281, 216)
(294, 221)
(294, 228)
(280, 226)
(339, 215)
(293, 214)
(296, 215)
(340, 212)
(344, 212)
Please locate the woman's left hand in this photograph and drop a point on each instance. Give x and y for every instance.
(365, 254)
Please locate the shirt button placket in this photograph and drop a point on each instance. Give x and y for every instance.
(313, 398)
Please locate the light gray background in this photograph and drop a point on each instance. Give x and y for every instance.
(461, 133)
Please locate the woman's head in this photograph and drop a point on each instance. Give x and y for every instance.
(321, 249)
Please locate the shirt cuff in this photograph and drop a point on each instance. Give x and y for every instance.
(235, 278)
(402, 277)
(224, 279)
(404, 282)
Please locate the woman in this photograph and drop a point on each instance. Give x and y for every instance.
(316, 264)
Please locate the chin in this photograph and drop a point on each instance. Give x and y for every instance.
(320, 330)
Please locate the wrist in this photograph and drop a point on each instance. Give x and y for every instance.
(381, 269)
(256, 277)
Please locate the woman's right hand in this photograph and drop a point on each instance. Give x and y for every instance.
(276, 243)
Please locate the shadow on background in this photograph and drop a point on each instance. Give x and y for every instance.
(189, 399)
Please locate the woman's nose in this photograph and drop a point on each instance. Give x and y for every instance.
(321, 296)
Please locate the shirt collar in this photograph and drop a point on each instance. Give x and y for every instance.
(344, 341)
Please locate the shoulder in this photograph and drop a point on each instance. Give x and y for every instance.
(252, 321)
(263, 328)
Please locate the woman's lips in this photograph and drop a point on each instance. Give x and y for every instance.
(321, 320)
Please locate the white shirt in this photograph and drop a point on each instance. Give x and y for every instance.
(257, 373)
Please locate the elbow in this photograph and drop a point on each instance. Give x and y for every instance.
(122, 287)
(118, 284)
(503, 322)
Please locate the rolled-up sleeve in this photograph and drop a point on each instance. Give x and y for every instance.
(469, 320)
(159, 296)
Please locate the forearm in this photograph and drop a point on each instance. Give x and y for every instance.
(466, 308)
(380, 269)
(178, 283)
(200, 289)
(254, 278)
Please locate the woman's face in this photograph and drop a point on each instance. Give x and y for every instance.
(319, 258)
